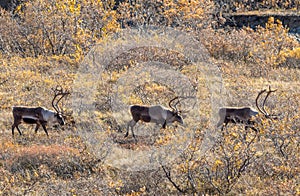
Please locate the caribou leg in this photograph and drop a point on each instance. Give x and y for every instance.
(250, 124)
(164, 125)
(130, 124)
(44, 127)
(13, 129)
(224, 124)
(36, 128)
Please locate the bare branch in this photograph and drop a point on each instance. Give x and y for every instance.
(168, 175)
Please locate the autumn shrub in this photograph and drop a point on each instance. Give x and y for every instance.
(239, 155)
(234, 45)
(273, 40)
(28, 81)
(218, 170)
(291, 58)
(64, 27)
(249, 5)
(190, 15)
(258, 50)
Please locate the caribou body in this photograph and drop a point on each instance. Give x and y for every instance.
(153, 114)
(39, 115)
(244, 115)
(235, 115)
(35, 115)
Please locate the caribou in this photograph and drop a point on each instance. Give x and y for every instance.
(40, 115)
(154, 114)
(243, 115)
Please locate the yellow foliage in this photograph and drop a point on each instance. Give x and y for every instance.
(18, 8)
(291, 53)
(237, 147)
(155, 87)
(218, 162)
(64, 27)
(187, 14)
(274, 41)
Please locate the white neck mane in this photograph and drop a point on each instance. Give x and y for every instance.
(48, 115)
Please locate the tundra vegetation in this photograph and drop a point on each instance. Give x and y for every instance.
(42, 43)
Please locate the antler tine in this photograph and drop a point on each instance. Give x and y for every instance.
(268, 93)
(58, 91)
(188, 97)
(55, 95)
(256, 101)
(178, 98)
(174, 108)
(63, 95)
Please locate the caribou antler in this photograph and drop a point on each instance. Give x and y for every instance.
(178, 98)
(256, 101)
(58, 91)
(263, 110)
(174, 108)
